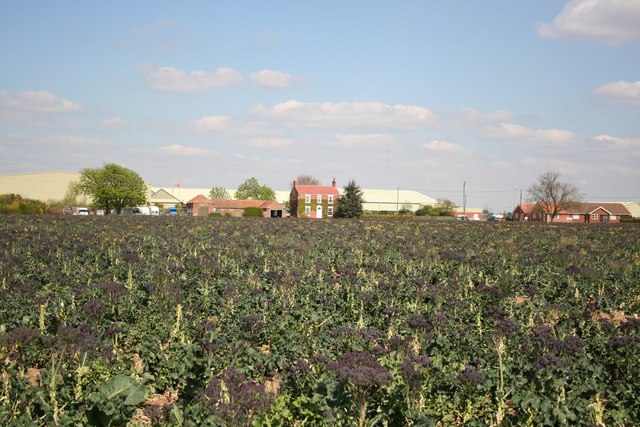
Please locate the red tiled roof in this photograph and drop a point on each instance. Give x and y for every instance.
(237, 204)
(527, 208)
(588, 207)
(316, 189)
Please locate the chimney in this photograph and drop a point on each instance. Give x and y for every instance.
(333, 183)
(295, 182)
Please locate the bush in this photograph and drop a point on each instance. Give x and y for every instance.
(16, 204)
(252, 212)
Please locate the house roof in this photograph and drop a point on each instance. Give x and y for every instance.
(237, 204)
(589, 207)
(527, 207)
(316, 189)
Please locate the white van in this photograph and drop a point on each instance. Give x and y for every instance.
(80, 211)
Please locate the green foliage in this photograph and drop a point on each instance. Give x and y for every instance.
(228, 321)
(16, 204)
(115, 401)
(350, 202)
(113, 186)
(251, 189)
(219, 193)
(443, 207)
(252, 212)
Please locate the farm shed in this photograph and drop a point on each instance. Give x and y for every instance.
(43, 186)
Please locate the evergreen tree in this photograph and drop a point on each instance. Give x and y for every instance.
(351, 201)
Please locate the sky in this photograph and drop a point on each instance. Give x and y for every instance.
(427, 95)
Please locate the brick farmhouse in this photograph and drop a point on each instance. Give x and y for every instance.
(313, 201)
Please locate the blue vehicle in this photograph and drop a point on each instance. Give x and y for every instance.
(172, 211)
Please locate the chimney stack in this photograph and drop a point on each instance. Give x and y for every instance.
(333, 183)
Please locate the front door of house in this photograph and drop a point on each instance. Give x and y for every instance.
(319, 211)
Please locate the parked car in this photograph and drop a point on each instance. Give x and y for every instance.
(100, 212)
(463, 218)
(172, 211)
(67, 210)
(80, 211)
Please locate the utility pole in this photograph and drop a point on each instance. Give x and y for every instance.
(464, 197)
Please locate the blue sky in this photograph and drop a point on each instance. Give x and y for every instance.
(420, 95)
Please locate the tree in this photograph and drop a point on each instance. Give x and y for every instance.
(553, 196)
(350, 202)
(307, 180)
(219, 193)
(252, 190)
(113, 186)
(443, 207)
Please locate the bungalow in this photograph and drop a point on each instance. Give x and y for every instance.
(203, 206)
(313, 201)
(587, 212)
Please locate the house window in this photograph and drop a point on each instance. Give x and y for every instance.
(330, 211)
(330, 199)
(319, 198)
(307, 198)
(576, 216)
(307, 210)
(556, 216)
(594, 216)
(613, 217)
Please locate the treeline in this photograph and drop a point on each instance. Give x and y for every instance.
(16, 204)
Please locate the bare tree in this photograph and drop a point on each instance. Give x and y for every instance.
(554, 196)
(307, 180)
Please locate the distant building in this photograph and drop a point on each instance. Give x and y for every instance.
(203, 206)
(474, 214)
(43, 186)
(313, 201)
(586, 212)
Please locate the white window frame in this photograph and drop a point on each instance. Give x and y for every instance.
(329, 210)
(612, 217)
(307, 210)
(307, 198)
(330, 199)
(576, 216)
(319, 198)
(595, 216)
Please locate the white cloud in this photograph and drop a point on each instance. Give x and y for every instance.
(210, 124)
(620, 92)
(439, 146)
(272, 79)
(270, 142)
(468, 117)
(115, 123)
(170, 79)
(497, 164)
(609, 21)
(187, 151)
(620, 143)
(348, 115)
(521, 134)
(38, 101)
(350, 139)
